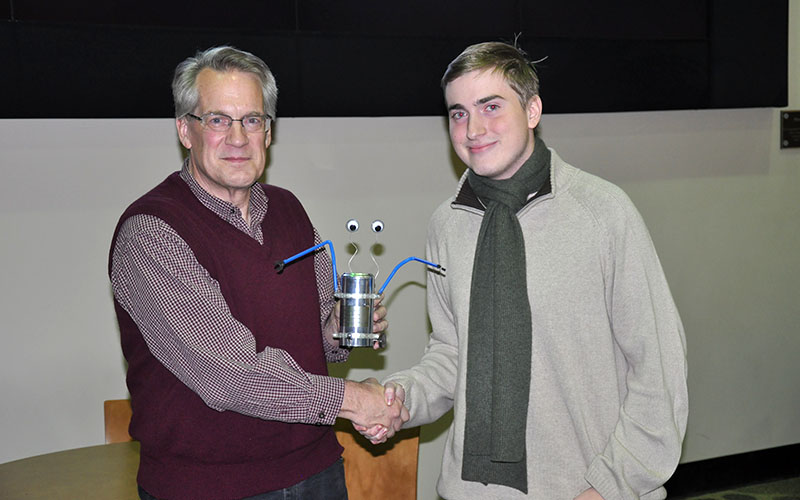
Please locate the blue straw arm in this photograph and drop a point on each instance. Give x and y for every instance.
(279, 265)
(401, 264)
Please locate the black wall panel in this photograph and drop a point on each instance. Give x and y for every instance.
(615, 20)
(411, 18)
(248, 15)
(362, 58)
(749, 52)
(616, 75)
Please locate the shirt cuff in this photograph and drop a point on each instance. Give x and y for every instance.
(612, 486)
(327, 399)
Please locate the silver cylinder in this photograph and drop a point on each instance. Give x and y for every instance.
(357, 306)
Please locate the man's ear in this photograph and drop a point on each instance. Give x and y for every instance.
(183, 132)
(534, 110)
(268, 138)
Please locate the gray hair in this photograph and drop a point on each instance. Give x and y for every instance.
(224, 59)
(509, 60)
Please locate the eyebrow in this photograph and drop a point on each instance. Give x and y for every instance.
(455, 106)
(489, 98)
(482, 100)
(251, 113)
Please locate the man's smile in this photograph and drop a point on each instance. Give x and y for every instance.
(480, 148)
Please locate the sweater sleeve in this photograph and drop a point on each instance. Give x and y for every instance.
(430, 385)
(187, 325)
(645, 446)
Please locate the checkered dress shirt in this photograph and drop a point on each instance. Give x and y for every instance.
(183, 317)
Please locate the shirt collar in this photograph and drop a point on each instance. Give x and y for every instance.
(226, 210)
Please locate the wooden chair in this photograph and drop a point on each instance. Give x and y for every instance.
(387, 471)
(117, 417)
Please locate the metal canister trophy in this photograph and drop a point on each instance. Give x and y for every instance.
(356, 293)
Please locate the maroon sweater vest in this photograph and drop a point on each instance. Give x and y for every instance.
(188, 450)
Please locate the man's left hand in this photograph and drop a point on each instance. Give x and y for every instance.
(379, 322)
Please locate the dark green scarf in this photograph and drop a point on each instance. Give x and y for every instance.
(499, 337)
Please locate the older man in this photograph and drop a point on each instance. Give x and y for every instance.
(226, 358)
(555, 336)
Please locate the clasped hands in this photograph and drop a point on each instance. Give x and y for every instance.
(393, 395)
(371, 409)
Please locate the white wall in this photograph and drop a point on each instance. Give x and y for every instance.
(722, 202)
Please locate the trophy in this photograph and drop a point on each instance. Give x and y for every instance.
(356, 291)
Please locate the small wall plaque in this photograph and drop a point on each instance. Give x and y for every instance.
(790, 129)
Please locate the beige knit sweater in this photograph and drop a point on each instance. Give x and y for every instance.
(608, 397)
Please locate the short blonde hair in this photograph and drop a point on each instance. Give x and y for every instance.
(508, 60)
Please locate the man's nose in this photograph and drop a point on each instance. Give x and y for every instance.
(475, 127)
(236, 134)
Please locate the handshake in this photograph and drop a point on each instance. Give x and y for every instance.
(377, 412)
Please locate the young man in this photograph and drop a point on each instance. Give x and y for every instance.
(555, 336)
(226, 358)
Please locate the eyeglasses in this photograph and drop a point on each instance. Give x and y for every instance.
(219, 122)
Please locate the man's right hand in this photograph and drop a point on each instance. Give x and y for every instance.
(393, 394)
(366, 404)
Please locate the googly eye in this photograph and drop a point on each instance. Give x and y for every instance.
(377, 226)
(352, 225)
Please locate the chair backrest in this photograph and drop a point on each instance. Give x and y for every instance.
(117, 416)
(387, 471)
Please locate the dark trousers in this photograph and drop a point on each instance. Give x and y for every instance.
(326, 485)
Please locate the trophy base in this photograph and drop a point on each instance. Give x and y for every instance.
(360, 339)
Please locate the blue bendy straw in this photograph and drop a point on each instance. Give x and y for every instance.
(282, 263)
(398, 266)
